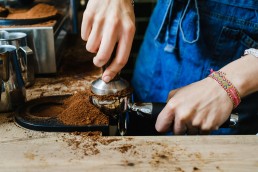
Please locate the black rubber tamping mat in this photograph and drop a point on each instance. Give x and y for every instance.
(27, 117)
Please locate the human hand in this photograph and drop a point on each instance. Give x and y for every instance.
(104, 24)
(195, 109)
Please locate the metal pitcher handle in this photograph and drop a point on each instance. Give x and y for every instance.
(4, 73)
(4, 67)
(27, 64)
(4, 34)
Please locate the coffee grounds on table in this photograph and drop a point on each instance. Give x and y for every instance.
(79, 111)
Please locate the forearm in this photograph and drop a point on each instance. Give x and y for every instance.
(243, 73)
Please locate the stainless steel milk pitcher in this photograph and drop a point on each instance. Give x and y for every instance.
(25, 54)
(12, 91)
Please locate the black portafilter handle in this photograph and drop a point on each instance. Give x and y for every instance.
(152, 110)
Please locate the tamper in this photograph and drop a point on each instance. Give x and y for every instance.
(112, 98)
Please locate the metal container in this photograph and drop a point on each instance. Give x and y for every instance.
(46, 43)
(25, 54)
(12, 92)
(47, 40)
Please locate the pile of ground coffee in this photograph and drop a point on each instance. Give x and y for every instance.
(38, 11)
(78, 110)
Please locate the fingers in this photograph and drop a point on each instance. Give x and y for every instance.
(183, 118)
(184, 121)
(191, 110)
(206, 121)
(94, 38)
(86, 25)
(122, 53)
(107, 45)
(166, 118)
(191, 130)
(180, 127)
(86, 29)
(191, 122)
(172, 93)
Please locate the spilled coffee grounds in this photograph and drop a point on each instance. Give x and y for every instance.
(78, 111)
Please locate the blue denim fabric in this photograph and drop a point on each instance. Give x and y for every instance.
(185, 39)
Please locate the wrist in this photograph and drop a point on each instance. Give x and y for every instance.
(230, 89)
(236, 80)
(218, 91)
(243, 74)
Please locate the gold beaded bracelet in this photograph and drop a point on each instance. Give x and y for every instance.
(227, 86)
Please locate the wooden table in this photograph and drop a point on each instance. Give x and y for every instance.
(26, 150)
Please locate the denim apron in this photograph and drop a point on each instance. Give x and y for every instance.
(187, 38)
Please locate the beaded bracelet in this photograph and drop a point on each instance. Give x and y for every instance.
(227, 86)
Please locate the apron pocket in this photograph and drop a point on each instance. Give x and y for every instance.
(231, 45)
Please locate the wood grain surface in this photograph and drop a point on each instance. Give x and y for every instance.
(26, 150)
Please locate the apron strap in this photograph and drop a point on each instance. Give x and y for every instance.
(197, 25)
(164, 34)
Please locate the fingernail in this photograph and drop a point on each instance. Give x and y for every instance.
(106, 78)
(97, 62)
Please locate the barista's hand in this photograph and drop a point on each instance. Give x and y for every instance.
(104, 24)
(195, 109)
